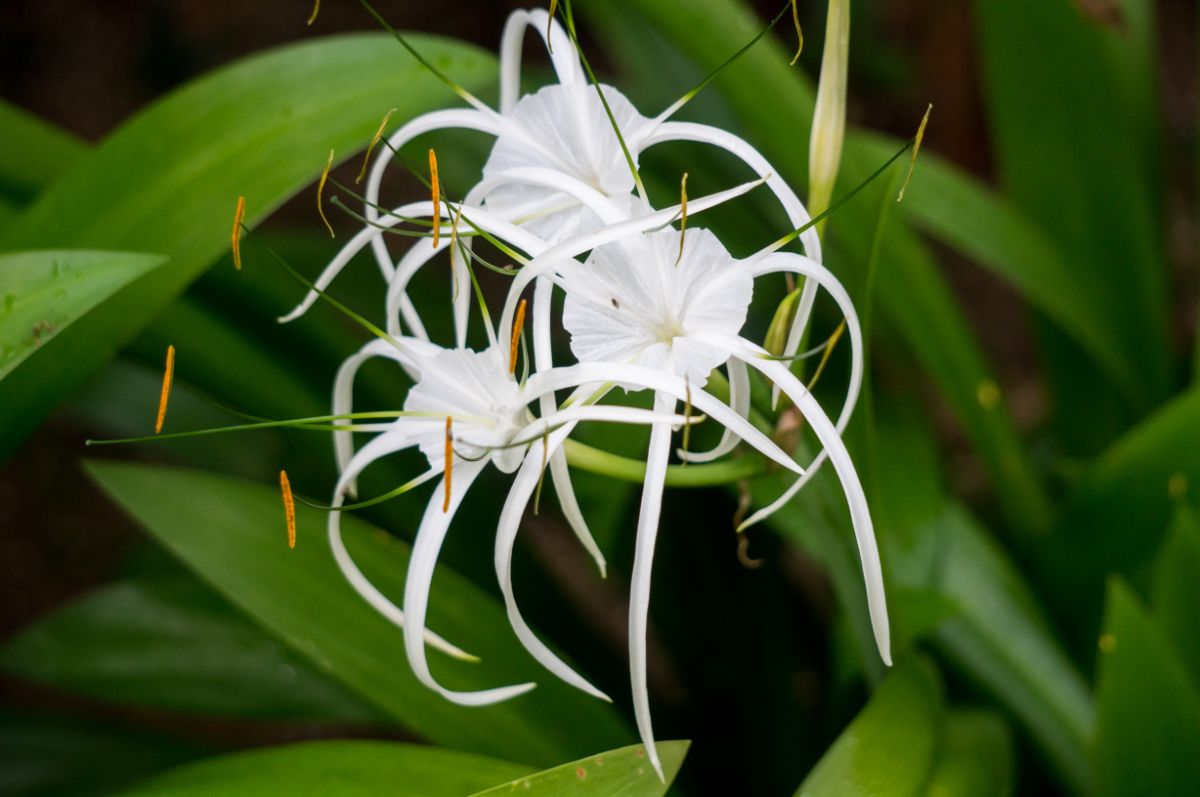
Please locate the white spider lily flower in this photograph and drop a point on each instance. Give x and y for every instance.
(643, 302)
(532, 245)
(467, 410)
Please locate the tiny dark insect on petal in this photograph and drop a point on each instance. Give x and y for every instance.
(615, 303)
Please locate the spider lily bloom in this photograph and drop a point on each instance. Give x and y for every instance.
(532, 245)
(638, 304)
(465, 411)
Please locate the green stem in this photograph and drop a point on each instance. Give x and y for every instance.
(604, 463)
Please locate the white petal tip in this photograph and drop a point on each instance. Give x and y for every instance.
(886, 655)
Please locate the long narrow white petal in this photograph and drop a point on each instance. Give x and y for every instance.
(506, 534)
(739, 402)
(428, 544)
(652, 379)
(343, 399)
(560, 476)
(379, 447)
(860, 514)
(643, 561)
(562, 53)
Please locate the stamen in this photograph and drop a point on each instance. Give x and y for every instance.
(238, 214)
(915, 150)
(453, 248)
(437, 197)
(829, 346)
(168, 378)
(316, 10)
(289, 507)
(374, 141)
(448, 470)
(683, 215)
(518, 328)
(321, 190)
(799, 34)
(537, 494)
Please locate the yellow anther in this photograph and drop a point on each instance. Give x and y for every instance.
(799, 33)
(321, 190)
(238, 214)
(437, 197)
(682, 216)
(316, 10)
(371, 147)
(1107, 643)
(165, 395)
(449, 462)
(916, 150)
(988, 394)
(829, 346)
(550, 25)
(518, 327)
(289, 507)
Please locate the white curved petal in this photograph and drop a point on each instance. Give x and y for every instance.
(426, 547)
(860, 514)
(647, 378)
(739, 402)
(643, 561)
(379, 447)
(560, 476)
(562, 53)
(704, 134)
(506, 534)
(819, 275)
(343, 399)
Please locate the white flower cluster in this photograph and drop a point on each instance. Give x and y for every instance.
(647, 307)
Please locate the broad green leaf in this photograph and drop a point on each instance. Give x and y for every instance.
(333, 769)
(617, 773)
(43, 293)
(169, 179)
(59, 756)
(911, 291)
(976, 759)
(973, 220)
(890, 749)
(1177, 588)
(231, 533)
(1148, 707)
(172, 644)
(1034, 54)
(1118, 514)
(33, 153)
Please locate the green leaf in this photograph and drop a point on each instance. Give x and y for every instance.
(976, 759)
(889, 749)
(618, 773)
(1034, 54)
(962, 213)
(35, 153)
(172, 644)
(1121, 509)
(1177, 588)
(43, 293)
(1149, 709)
(231, 532)
(50, 756)
(333, 769)
(169, 179)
